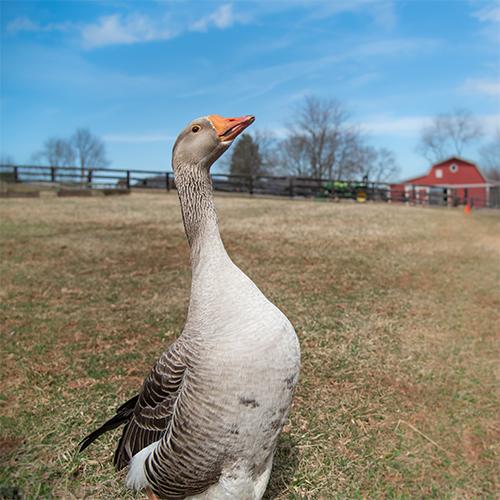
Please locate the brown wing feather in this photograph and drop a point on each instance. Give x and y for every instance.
(153, 410)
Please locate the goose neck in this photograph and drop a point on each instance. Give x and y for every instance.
(198, 212)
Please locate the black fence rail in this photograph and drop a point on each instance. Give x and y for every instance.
(93, 178)
(73, 178)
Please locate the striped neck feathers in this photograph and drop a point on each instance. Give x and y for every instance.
(198, 210)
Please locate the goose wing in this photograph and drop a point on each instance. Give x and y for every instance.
(154, 407)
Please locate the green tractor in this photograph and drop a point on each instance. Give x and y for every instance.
(347, 190)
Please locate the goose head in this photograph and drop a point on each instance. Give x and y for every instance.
(205, 139)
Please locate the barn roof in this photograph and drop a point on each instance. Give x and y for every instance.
(451, 158)
(442, 162)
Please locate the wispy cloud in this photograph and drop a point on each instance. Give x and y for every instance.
(412, 125)
(20, 24)
(364, 79)
(131, 28)
(136, 27)
(489, 16)
(394, 125)
(490, 123)
(223, 17)
(25, 24)
(392, 46)
(252, 83)
(117, 29)
(482, 86)
(125, 30)
(489, 13)
(384, 14)
(381, 11)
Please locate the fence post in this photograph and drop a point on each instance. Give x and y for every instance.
(89, 176)
(167, 180)
(52, 174)
(290, 186)
(16, 174)
(250, 184)
(128, 179)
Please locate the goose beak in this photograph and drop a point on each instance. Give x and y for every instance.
(229, 128)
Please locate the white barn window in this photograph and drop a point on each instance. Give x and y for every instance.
(439, 173)
(454, 168)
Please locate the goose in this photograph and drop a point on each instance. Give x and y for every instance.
(206, 421)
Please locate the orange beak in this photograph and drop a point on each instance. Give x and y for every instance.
(229, 128)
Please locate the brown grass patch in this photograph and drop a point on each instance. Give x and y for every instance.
(397, 310)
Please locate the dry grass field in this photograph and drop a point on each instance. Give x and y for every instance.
(396, 308)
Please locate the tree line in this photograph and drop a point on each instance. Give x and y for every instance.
(321, 142)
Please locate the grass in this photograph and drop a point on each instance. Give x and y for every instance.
(397, 311)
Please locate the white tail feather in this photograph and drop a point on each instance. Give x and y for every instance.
(136, 478)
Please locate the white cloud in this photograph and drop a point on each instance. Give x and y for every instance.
(385, 15)
(482, 86)
(123, 29)
(489, 16)
(223, 17)
(25, 24)
(490, 13)
(382, 11)
(22, 24)
(118, 30)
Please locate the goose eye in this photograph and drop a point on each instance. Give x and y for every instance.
(195, 128)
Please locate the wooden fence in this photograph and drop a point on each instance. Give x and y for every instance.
(121, 180)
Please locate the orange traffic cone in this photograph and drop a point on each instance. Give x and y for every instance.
(467, 209)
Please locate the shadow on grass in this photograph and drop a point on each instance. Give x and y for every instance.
(286, 461)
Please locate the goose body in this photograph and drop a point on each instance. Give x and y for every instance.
(206, 421)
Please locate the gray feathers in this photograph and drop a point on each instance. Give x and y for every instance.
(217, 399)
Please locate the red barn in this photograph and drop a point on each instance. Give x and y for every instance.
(453, 181)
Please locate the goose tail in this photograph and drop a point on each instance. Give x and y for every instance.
(123, 415)
(136, 477)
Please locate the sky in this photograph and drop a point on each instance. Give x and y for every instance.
(136, 72)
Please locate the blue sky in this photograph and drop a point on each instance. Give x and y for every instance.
(136, 72)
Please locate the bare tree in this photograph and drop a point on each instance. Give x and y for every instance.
(490, 158)
(56, 152)
(448, 135)
(316, 134)
(323, 144)
(90, 150)
(267, 144)
(351, 155)
(433, 143)
(379, 165)
(294, 155)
